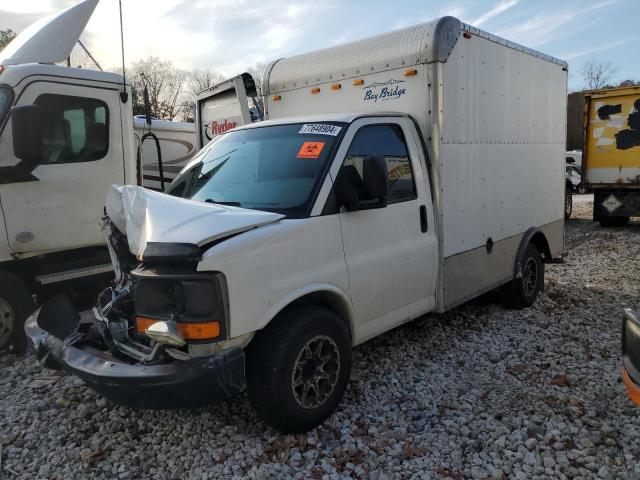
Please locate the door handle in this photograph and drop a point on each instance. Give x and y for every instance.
(423, 219)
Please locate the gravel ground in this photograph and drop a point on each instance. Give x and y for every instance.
(479, 392)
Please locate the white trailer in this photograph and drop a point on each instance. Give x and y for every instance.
(394, 176)
(177, 142)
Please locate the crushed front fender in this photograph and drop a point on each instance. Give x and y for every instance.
(55, 331)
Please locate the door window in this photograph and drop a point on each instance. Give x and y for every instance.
(74, 129)
(383, 141)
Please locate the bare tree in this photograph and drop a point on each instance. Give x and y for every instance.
(597, 74)
(200, 80)
(166, 85)
(5, 37)
(628, 83)
(197, 81)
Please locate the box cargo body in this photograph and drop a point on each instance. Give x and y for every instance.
(492, 115)
(611, 153)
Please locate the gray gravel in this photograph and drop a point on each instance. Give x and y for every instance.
(479, 392)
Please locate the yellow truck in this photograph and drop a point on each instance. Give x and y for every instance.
(611, 154)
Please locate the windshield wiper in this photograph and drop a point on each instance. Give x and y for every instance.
(231, 204)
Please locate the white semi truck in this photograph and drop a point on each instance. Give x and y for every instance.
(395, 176)
(66, 135)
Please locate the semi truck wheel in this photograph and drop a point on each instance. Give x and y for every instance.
(522, 292)
(298, 368)
(568, 204)
(16, 304)
(606, 222)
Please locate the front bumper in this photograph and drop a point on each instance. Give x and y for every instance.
(631, 353)
(53, 332)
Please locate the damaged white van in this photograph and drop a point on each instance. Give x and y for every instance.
(395, 176)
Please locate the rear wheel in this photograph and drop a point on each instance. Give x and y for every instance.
(16, 304)
(298, 368)
(606, 222)
(568, 204)
(522, 292)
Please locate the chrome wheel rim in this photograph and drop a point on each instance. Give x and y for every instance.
(7, 321)
(315, 372)
(530, 277)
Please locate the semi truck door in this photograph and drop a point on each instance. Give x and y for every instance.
(391, 252)
(59, 206)
(225, 106)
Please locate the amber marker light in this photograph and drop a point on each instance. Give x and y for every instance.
(336, 86)
(276, 98)
(632, 389)
(358, 82)
(411, 72)
(315, 90)
(199, 331)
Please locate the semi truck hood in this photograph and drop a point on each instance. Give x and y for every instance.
(146, 216)
(50, 39)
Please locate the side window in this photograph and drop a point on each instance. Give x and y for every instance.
(384, 141)
(74, 129)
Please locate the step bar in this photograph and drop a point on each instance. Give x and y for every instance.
(58, 277)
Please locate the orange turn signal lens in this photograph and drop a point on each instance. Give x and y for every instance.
(315, 90)
(188, 331)
(357, 82)
(142, 323)
(199, 331)
(411, 72)
(276, 98)
(336, 86)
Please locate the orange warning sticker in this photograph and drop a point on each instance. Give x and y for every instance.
(310, 149)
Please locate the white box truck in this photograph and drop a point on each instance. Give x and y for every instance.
(394, 176)
(66, 135)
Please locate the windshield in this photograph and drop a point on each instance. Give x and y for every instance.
(276, 168)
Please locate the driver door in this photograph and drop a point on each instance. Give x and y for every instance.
(391, 252)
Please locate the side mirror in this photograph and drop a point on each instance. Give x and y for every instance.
(369, 191)
(26, 126)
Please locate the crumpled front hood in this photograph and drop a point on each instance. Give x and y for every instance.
(146, 216)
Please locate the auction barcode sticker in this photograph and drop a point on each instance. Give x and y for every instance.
(320, 129)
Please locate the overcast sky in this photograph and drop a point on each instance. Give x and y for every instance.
(229, 35)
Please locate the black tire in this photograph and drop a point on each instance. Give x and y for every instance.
(568, 204)
(613, 222)
(16, 304)
(522, 292)
(275, 352)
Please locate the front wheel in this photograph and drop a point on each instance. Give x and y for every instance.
(523, 291)
(298, 368)
(16, 304)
